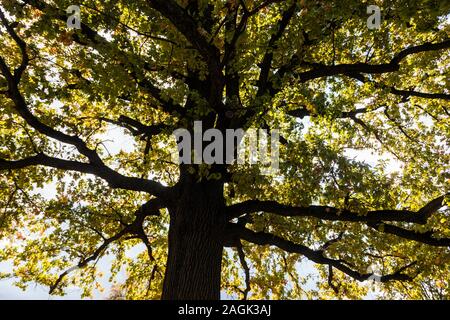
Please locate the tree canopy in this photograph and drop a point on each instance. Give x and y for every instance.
(364, 124)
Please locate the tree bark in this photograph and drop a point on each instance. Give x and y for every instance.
(197, 225)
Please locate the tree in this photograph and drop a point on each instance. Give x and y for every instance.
(336, 90)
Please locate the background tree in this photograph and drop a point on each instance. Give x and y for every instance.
(336, 90)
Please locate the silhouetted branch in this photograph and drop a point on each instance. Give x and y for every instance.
(244, 265)
(317, 256)
(423, 237)
(336, 214)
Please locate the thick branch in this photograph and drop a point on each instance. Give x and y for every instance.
(428, 46)
(22, 45)
(399, 92)
(424, 237)
(266, 63)
(187, 26)
(321, 70)
(114, 179)
(335, 214)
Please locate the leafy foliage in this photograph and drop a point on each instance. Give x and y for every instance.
(363, 115)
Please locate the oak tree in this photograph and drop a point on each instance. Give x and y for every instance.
(364, 124)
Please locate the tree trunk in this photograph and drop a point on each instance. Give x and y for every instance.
(197, 225)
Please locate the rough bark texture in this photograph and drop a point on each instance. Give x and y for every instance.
(197, 225)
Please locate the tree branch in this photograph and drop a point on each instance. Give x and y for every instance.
(335, 214)
(244, 265)
(135, 229)
(303, 112)
(398, 92)
(317, 256)
(114, 179)
(321, 70)
(22, 45)
(424, 237)
(187, 26)
(266, 63)
(136, 127)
